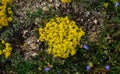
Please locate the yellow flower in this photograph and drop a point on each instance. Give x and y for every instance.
(9, 8)
(10, 12)
(3, 21)
(106, 5)
(4, 2)
(73, 52)
(7, 54)
(3, 42)
(10, 19)
(7, 49)
(4, 50)
(66, 1)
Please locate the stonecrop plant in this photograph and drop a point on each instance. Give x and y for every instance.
(5, 49)
(5, 12)
(62, 36)
(66, 1)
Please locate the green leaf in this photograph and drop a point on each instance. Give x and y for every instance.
(116, 20)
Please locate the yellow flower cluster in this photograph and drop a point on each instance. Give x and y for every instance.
(62, 36)
(6, 50)
(66, 1)
(5, 12)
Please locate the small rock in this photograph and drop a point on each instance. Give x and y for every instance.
(88, 19)
(81, 20)
(50, 0)
(38, 40)
(45, 9)
(34, 54)
(95, 21)
(33, 46)
(87, 14)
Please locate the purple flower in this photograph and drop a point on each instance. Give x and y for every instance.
(47, 69)
(116, 4)
(107, 67)
(88, 68)
(85, 47)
